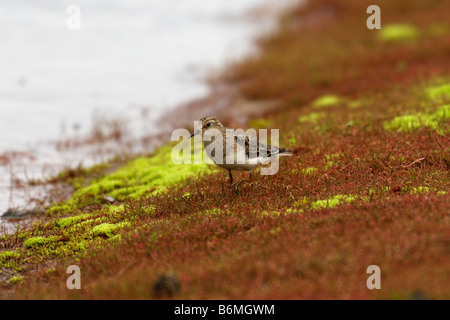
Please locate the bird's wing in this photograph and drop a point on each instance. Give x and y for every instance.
(265, 150)
(245, 142)
(254, 148)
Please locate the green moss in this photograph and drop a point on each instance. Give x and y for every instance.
(37, 241)
(329, 164)
(292, 140)
(333, 156)
(105, 229)
(108, 229)
(333, 202)
(117, 238)
(398, 32)
(404, 123)
(115, 209)
(293, 210)
(326, 101)
(423, 190)
(309, 171)
(301, 203)
(443, 113)
(313, 117)
(7, 255)
(260, 123)
(69, 221)
(438, 92)
(212, 212)
(270, 213)
(354, 104)
(419, 190)
(16, 279)
(139, 177)
(434, 121)
(56, 208)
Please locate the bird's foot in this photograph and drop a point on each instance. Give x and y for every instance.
(237, 183)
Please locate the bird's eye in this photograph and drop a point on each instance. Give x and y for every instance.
(209, 124)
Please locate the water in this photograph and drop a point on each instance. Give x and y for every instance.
(128, 56)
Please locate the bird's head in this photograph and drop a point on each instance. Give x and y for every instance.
(208, 123)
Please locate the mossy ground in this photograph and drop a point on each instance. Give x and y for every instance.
(367, 117)
(140, 177)
(399, 32)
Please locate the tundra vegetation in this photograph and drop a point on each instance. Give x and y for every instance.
(367, 113)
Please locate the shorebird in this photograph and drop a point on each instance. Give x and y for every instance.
(253, 152)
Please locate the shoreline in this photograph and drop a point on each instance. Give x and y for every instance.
(112, 133)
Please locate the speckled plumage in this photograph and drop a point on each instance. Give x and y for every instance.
(243, 153)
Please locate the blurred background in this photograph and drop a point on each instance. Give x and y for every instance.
(112, 72)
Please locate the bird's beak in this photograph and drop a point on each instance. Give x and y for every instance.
(196, 132)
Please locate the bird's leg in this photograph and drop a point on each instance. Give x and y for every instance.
(231, 180)
(242, 180)
(237, 183)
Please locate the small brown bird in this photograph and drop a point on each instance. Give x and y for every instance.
(234, 145)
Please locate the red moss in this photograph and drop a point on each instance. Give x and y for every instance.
(264, 240)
